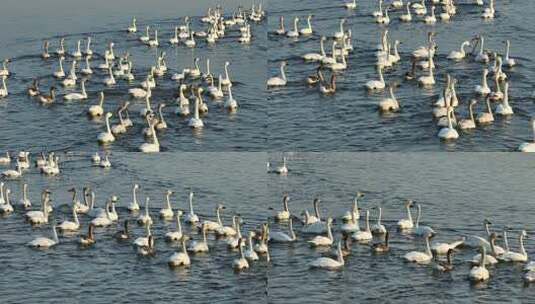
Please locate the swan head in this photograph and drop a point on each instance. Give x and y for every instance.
(71, 190)
(109, 115)
(136, 186)
(114, 199)
(169, 192)
(473, 102)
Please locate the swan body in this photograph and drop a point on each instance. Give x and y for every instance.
(443, 248)
(284, 215)
(480, 273)
(182, 258)
(281, 237)
(177, 235)
(373, 85)
(321, 240)
(529, 146)
(145, 218)
(43, 242)
(191, 217)
(98, 109)
(504, 108)
(329, 263)
(420, 257)
(364, 235)
(107, 136)
(406, 223)
(278, 81)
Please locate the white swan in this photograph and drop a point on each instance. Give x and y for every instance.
(511, 256)
(6, 207)
(449, 132)
(145, 218)
(486, 117)
(470, 122)
(406, 223)
(329, 263)
(143, 240)
(443, 248)
(480, 272)
(134, 205)
(482, 56)
(278, 81)
(364, 235)
(25, 201)
(231, 104)
(316, 56)
(284, 215)
(78, 52)
(98, 109)
(428, 80)
(490, 258)
(250, 254)
(377, 84)
(308, 30)
(106, 136)
(483, 89)
(228, 231)
(488, 13)
(354, 212)
(133, 27)
(390, 104)
(281, 237)
(379, 228)
(420, 257)
(378, 13)
(295, 32)
(191, 217)
(351, 5)
(421, 230)
(180, 258)
(43, 242)
(196, 122)
(215, 225)
(199, 246)
(12, 174)
(529, 146)
(174, 39)
(431, 19)
(226, 81)
(177, 235)
(40, 217)
(321, 240)
(154, 146)
(458, 55)
(60, 73)
(167, 211)
(504, 108)
(77, 96)
(510, 62)
(408, 16)
(70, 225)
(240, 263)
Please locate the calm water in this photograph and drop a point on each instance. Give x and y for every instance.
(27, 124)
(302, 119)
(455, 198)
